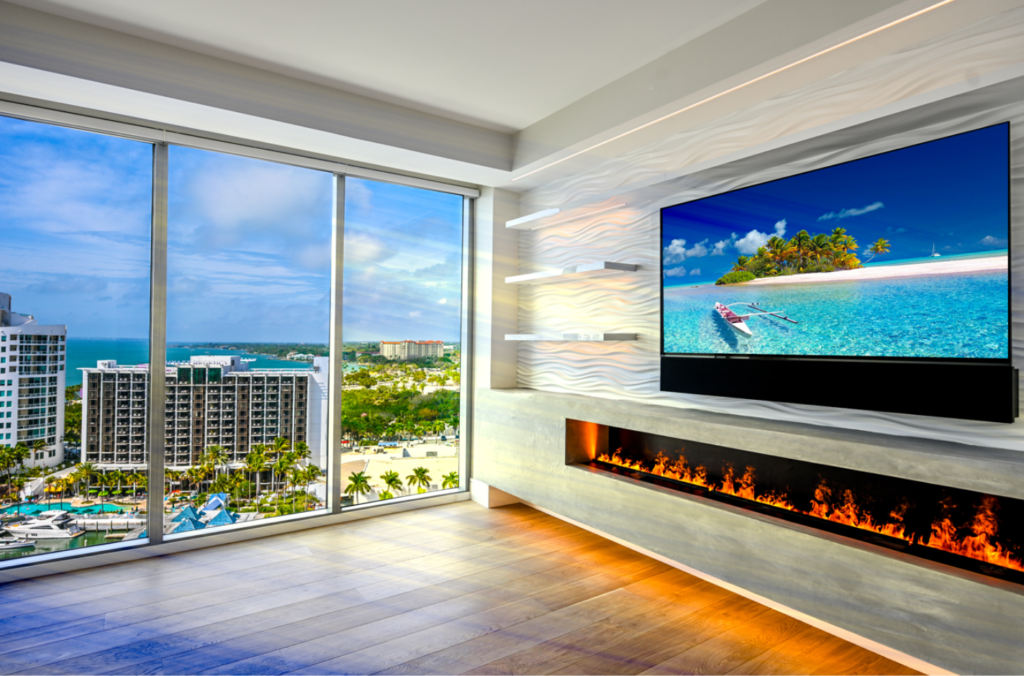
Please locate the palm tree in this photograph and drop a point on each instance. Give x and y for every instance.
(255, 461)
(819, 246)
(217, 455)
(392, 483)
(301, 451)
(7, 462)
(880, 247)
(117, 478)
(280, 446)
(38, 446)
(18, 483)
(21, 453)
(800, 242)
(741, 264)
(49, 480)
(89, 471)
(450, 480)
(838, 239)
(296, 477)
(420, 478)
(283, 464)
(311, 474)
(358, 484)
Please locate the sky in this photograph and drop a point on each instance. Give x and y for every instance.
(249, 244)
(951, 193)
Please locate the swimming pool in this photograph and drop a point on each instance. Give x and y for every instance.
(38, 507)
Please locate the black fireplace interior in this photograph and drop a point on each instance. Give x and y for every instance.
(962, 528)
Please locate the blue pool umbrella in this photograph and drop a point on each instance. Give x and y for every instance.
(189, 524)
(216, 501)
(222, 518)
(187, 513)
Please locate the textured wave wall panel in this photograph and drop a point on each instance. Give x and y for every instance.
(967, 54)
(631, 302)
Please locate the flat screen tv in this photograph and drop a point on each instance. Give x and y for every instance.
(900, 258)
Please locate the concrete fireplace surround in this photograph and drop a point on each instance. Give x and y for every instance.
(952, 619)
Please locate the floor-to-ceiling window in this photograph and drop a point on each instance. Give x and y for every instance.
(74, 350)
(402, 341)
(186, 313)
(248, 311)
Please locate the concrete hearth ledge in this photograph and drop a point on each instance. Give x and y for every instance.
(995, 471)
(958, 621)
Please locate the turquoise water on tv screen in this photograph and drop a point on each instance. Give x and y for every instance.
(942, 316)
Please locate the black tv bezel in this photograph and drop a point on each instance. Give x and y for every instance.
(858, 358)
(968, 388)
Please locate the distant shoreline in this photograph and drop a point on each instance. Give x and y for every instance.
(922, 269)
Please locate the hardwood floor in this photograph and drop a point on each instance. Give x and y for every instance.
(446, 590)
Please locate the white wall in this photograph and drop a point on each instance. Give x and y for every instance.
(937, 88)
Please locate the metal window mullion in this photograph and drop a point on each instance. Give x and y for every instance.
(157, 389)
(335, 358)
(466, 365)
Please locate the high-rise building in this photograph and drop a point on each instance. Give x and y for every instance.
(405, 350)
(32, 360)
(210, 401)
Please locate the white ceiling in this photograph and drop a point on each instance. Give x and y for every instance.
(503, 65)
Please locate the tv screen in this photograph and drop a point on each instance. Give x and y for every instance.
(899, 255)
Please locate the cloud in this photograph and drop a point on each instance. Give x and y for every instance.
(676, 272)
(989, 240)
(695, 272)
(895, 231)
(751, 242)
(188, 286)
(415, 313)
(848, 213)
(675, 252)
(68, 284)
(720, 247)
(362, 250)
(443, 301)
(698, 250)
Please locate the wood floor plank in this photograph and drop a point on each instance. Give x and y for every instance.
(450, 589)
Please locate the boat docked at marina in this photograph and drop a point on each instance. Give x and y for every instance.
(738, 321)
(50, 525)
(12, 543)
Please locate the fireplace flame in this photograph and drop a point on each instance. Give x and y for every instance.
(843, 508)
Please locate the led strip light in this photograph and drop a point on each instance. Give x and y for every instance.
(740, 86)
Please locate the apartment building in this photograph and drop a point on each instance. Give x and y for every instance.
(404, 350)
(32, 377)
(210, 401)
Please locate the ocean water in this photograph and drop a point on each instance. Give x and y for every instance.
(881, 261)
(940, 316)
(85, 352)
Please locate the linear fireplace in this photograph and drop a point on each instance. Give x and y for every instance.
(962, 528)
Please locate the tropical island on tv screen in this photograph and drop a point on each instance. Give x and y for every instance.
(903, 254)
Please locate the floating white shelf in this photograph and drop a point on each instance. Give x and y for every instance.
(543, 219)
(574, 337)
(527, 221)
(588, 270)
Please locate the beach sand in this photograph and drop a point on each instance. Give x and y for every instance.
(937, 267)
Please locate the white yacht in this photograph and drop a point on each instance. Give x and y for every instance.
(50, 525)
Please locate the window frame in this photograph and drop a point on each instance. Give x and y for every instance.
(161, 140)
